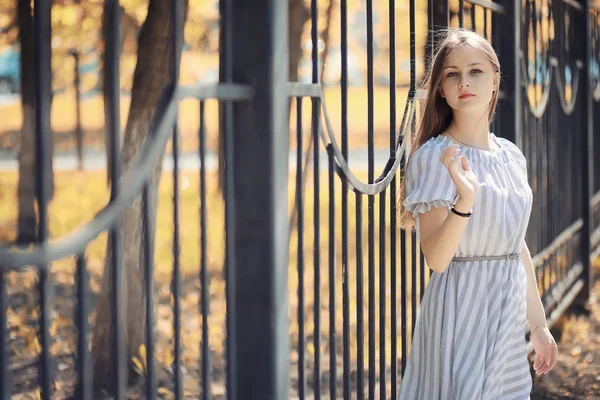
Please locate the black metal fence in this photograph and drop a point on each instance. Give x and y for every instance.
(333, 317)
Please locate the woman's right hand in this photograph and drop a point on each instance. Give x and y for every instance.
(460, 171)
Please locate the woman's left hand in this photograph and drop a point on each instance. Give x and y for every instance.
(546, 350)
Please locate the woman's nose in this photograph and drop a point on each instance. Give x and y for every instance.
(464, 83)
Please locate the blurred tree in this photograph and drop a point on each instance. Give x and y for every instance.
(8, 22)
(152, 74)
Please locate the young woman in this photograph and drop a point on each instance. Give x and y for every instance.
(467, 191)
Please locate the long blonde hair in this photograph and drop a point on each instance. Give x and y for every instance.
(437, 114)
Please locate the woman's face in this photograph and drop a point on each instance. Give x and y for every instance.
(469, 80)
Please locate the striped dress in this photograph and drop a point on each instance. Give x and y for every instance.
(469, 340)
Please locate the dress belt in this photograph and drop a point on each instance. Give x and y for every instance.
(508, 257)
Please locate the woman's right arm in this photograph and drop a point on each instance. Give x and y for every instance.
(440, 230)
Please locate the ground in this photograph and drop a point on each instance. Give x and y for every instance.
(80, 196)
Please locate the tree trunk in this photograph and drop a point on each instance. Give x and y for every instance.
(27, 220)
(106, 75)
(299, 14)
(151, 75)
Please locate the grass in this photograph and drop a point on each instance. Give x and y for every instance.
(79, 196)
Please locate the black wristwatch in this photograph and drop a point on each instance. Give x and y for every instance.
(466, 215)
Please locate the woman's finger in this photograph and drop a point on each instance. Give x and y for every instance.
(465, 164)
(456, 160)
(547, 365)
(544, 365)
(539, 363)
(448, 155)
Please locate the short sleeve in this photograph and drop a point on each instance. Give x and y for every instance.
(428, 182)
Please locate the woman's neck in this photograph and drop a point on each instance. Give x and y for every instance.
(471, 130)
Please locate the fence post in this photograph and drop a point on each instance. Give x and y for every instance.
(508, 47)
(257, 159)
(586, 296)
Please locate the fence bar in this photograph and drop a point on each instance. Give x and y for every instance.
(332, 335)
(461, 13)
(371, 266)
(404, 300)
(177, 19)
(509, 120)
(344, 216)
(485, 22)
(42, 46)
(413, 53)
(422, 271)
(118, 307)
(315, 113)
(393, 294)
(316, 108)
(78, 128)
(5, 389)
(176, 279)
(260, 176)
(360, 362)
(84, 362)
(204, 278)
(413, 285)
(177, 38)
(382, 297)
(148, 226)
(226, 62)
(438, 17)
(371, 199)
(300, 232)
(393, 255)
(587, 166)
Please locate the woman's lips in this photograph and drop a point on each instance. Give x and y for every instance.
(466, 96)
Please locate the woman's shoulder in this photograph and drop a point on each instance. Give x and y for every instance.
(427, 156)
(435, 145)
(513, 150)
(509, 146)
(507, 143)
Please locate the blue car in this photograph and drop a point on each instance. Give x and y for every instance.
(10, 71)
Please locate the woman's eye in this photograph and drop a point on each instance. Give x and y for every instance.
(451, 74)
(476, 71)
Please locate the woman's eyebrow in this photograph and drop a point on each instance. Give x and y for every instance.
(470, 65)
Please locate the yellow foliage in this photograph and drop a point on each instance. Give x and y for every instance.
(163, 391)
(143, 355)
(138, 364)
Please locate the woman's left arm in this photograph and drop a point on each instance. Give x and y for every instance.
(544, 345)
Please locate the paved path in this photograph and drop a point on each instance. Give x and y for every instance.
(191, 161)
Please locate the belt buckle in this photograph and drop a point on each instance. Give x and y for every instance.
(511, 257)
